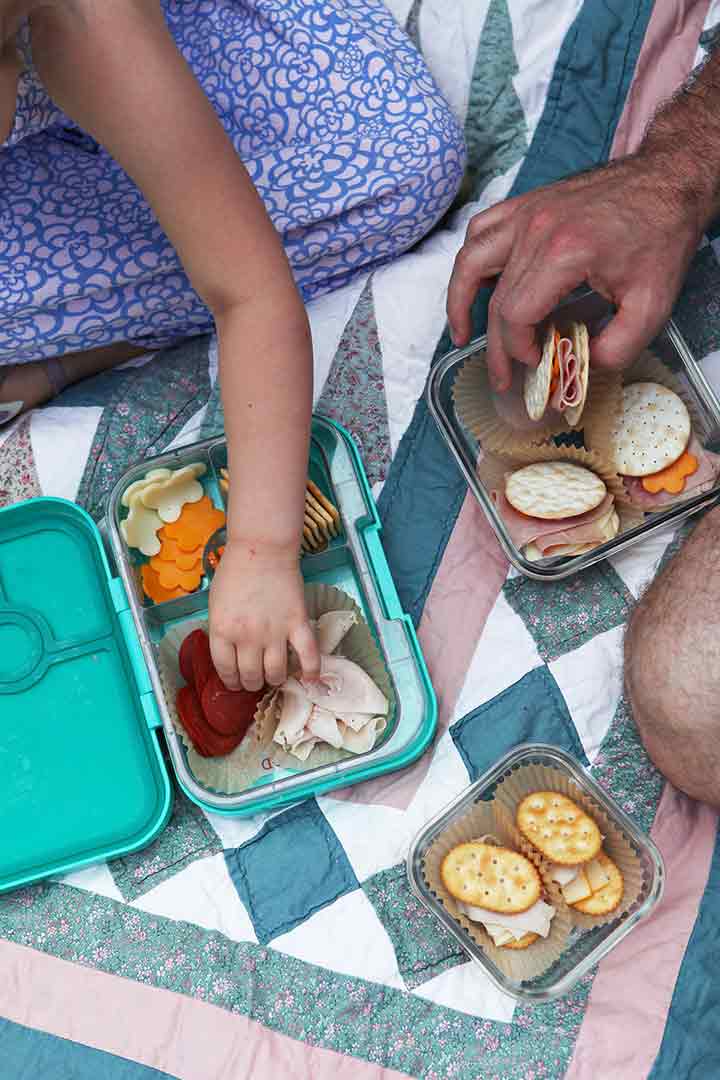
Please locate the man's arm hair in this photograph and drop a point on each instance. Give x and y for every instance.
(684, 134)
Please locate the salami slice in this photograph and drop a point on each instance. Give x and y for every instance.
(229, 712)
(207, 741)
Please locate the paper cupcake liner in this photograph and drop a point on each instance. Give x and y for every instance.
(528, 778)
(602, 409)
(601, 465)
(479, 410)
(257, 755)
(650, 368)
(519, 965)
(358, 645)
(630, 517)
(228, 775)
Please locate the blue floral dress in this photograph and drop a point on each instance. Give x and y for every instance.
(336, 118)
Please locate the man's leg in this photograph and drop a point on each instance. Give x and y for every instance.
(672, 665)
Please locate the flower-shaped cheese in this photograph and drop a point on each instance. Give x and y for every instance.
(168, 495)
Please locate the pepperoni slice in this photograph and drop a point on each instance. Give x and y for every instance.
(185, 658)
(207, 741)
(202, 665)
(230, 712)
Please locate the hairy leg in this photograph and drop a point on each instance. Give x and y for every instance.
(31, 384)
(672, 665)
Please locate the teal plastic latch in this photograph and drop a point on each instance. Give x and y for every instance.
(150, 708)
(134, 650)
(118, 594)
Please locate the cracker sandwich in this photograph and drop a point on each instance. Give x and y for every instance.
(656, 453)
(501, 890)
(570, 842)
(560, 381)
(554, 508)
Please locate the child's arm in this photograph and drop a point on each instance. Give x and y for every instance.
(114, 68)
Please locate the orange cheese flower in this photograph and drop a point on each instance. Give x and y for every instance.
(672, 479)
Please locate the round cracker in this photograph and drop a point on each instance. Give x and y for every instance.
(609, 896)
(581, 348)
(652, 431)
(554, 489)
(521, 943)
(490, 877)
(536, 390)
(558, 828)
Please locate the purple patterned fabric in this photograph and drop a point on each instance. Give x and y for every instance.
(338, 121)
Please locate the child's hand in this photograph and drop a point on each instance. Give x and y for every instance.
(257, 608)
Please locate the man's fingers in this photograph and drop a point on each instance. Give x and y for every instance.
(224, 658)
(499, 361)
(634, 326)
(477, 264)
(305, 645)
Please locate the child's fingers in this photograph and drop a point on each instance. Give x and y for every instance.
(305, 645)
(276, 663)
(224, 658)
(250, 666)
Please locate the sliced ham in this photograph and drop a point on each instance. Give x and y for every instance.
(702, 480)
(525, 530)
(568, 392)
(593, 532)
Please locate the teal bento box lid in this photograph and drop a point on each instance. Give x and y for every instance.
(81, 774)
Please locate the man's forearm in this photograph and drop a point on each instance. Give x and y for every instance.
(683, 142)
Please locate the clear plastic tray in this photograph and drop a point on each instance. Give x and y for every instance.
(353, 562)
(592, 309)
(585, 947)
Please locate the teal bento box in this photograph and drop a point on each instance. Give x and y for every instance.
(86, 738)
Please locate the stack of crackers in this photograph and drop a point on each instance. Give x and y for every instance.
(321, 522)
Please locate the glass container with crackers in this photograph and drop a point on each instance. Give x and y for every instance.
(536, 871)
(575, 464)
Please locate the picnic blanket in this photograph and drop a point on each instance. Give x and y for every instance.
(290, 945)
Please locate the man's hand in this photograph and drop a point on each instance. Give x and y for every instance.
(629, 230)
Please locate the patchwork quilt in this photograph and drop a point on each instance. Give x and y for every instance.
(289, 945)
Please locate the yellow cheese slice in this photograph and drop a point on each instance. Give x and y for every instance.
(597, 877)
(579, 889)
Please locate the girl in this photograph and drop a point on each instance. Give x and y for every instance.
(176, 165)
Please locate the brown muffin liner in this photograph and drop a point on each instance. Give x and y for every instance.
(529, 778)
(492, 470)
(602, 409)
(520, 965)
(477, 407)
(598, 463)
(232, 773)
(650, 368)
(257, 755)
